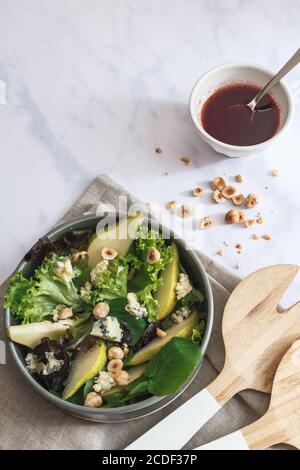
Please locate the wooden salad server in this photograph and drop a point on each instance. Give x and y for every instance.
(281, 423)
(256, 336)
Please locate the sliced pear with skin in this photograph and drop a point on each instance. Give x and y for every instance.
(166, 294)
(31, 334)
(134, 373)
(180, 330)
(118, 236)
(84, 367)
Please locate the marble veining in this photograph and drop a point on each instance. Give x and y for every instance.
(95, 86)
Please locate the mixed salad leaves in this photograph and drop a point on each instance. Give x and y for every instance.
(107, 321)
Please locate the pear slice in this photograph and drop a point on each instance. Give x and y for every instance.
(166, 294)
(84, 367)
(134, 373)
(181, 330)
(118, 236)
(31, 334)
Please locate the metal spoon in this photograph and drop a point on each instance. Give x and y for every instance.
(291, 63)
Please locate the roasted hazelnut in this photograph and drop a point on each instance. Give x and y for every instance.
(238, 199)
(206, 223)
(197, 192)
(65, 313)
(228, 192)
(249, 223)
(185, 211)
(115, 353)
(121, 378)
(170, 206)
(153, 255)
(217, 197)
(101, 310)
(239, 178)
(219, 183)
(160, 333)
(232, 217)
(114, 366)
(108, 253)
(242, 217)
(93, 400)
(251, 200)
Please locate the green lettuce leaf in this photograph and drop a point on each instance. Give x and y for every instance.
(198, 332)
(112, 282)
(32, 300)
(147, 279)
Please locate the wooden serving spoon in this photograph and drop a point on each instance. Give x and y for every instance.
(256, 336)
(281, 423)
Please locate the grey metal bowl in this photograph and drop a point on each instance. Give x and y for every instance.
(199, 277)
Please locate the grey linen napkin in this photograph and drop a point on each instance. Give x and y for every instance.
(28, 421)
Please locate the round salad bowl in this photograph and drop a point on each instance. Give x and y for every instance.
(124, 413)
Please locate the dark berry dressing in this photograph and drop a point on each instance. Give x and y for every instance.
(236, 125)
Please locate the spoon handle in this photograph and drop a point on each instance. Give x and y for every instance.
(291, 63)
(180, 425)
(233, 441)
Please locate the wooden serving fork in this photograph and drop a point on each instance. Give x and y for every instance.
(256, 337)
(281, 423)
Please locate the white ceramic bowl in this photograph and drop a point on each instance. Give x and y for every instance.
(233, 72)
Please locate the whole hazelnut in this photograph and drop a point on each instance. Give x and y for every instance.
(93, 400)
(232, 217)
(115, 353)
(114, 366)
(121, 378)
(101, 310)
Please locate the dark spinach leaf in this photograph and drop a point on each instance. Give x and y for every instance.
(134, 325)
(172, 366)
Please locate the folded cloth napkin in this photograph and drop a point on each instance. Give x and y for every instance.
(27, 421)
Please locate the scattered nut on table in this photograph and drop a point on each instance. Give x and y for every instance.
(238, 199)
(266, 236)
(206, 223)
(260, 220)
(217, 197)
(218, 183)
(228, 191)
(242, 217)
(232, 217)
(171, 205)
(185, 211)
(185, 160)
(239, 178)
(198, 192)
(251, 200)
(249, 223)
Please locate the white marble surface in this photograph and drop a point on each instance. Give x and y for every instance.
(94, 86)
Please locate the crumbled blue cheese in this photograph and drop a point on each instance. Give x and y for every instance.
(53, 364)
(108, 328)
(99, 268)
(181, 314)
(183, 286)
(36, 367)
(64, 270)
(86, 290)
(104, 382)
(33, 365)
(134, 307)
